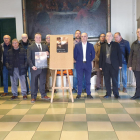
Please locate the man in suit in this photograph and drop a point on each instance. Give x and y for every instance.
(83, 55)
(110, 62)
(37, 73)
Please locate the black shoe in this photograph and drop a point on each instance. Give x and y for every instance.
(89, 96)
(97, 88)
(47, 90)
(93, 73)
(135, 97)
(117, 97)
(28, 93)
(78, 96)
(83, 90)
(55, 91)
(74, 90)
(107, 96)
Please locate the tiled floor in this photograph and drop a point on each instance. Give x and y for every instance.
(85, 119)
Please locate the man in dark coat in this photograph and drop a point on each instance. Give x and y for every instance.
(1, 59)
(134, 64)
(6, 45)
(35, 72)
(16, 63)
(110, 61)
(24, 43)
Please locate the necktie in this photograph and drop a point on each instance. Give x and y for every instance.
(39, 48)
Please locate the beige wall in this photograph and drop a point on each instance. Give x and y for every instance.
(123, 18)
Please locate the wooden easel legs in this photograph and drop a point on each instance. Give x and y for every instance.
(62, 85)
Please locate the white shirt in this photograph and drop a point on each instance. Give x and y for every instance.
(84, 50)
(40, 46)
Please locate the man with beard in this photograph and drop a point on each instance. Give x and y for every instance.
(76, 41)
(97, 47)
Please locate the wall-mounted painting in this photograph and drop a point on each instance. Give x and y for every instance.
(66, 16)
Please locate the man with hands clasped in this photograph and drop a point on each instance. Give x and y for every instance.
(110, 62)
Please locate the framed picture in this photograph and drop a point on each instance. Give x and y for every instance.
(66, 16)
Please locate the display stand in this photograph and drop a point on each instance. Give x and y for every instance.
(62, 85)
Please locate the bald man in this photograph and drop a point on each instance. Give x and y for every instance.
(24, 43)
(6, 45)
(110, 62)
(83, 55)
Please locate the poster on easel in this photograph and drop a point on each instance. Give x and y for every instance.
(61, 52)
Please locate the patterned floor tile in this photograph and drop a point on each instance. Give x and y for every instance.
(50, 126)
(20, 135)
(72, 135)
(100, 126)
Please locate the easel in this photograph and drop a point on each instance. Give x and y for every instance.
(62, 85)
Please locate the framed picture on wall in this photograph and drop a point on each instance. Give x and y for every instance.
(66, 16)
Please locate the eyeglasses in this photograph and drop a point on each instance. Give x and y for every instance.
(102, 36)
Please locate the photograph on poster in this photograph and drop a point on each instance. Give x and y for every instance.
(62, 44)
(41, 59)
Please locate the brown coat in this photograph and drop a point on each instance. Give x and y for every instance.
(48, 61)
(97, 48)
(134, 57)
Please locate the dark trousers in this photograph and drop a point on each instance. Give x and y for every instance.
(41, 76)
(109, 72)
(137, 76)
(87, 72)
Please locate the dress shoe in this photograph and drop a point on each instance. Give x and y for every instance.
(24, 97)
(29, 92)
(83, 90)
(107, 96)
(13, 97)
(89, 96)
(135, 97)
(97, 88)
(4, 94)
(93, 73)
(46, 98)
(78, 96)
(124, 90)
(33, 100)
(117, 97)
(74, 90)
(47, 90)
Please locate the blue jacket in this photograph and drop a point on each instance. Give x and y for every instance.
(78, 55)
(125, 48)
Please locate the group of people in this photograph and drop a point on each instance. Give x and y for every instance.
(110, 58)
(18, 61)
